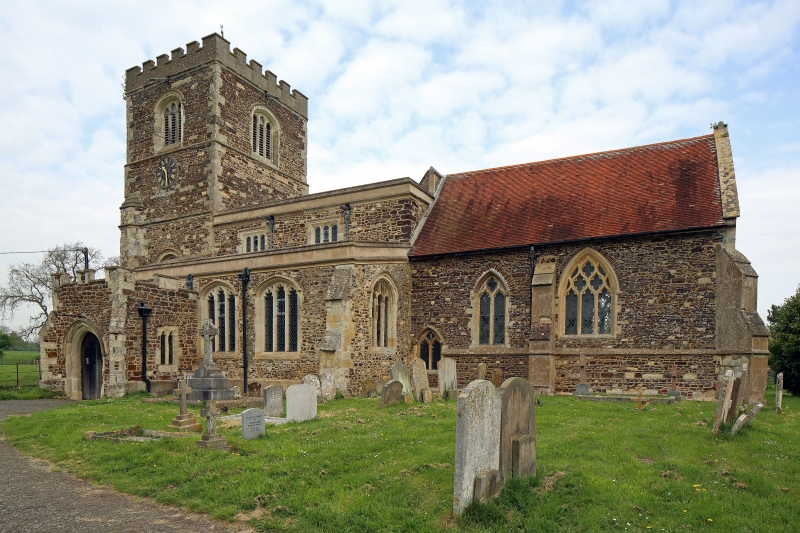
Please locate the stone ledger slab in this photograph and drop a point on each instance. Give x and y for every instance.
(252, 423)
(477, 438)
(301, 403)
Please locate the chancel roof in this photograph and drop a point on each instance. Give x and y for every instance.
(647, 189)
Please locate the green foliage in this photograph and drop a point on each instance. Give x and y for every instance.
(601, 466)
(6, 342)
(784, 342)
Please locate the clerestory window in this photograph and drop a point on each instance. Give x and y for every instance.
(221, 310)
(281, 311)
(491, 312)
(587, 299)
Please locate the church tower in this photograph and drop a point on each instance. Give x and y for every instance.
(207, 133)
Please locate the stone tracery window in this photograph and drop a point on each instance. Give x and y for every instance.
(491, 312)
(221, 309)
(430, 350)
(587, 298)
(281, 311)
(384, 315)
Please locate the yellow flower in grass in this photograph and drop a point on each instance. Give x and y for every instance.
(710, 520)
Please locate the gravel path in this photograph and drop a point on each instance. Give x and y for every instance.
(34, 498)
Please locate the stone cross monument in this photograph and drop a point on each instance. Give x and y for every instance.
(208, 381)
(207, 331)
(184, 421)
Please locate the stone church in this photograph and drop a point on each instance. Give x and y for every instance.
(625, 259)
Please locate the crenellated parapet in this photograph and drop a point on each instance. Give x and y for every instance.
(215, 48)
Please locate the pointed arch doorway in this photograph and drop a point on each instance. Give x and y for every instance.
(91, 367)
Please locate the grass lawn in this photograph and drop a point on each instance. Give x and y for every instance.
(28, 374)
(601, 467)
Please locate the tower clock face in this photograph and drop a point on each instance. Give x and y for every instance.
(167, 168)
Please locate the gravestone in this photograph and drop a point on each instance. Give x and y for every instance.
(391, 393)
(419, 378)
(327, 385)
(448, 379)
(208, 382)
(368, 388)
(273, 401)
(427, 396)
(254, 390)
(399, 372)
(301, 403)
(497, 377)
(779, 392)
(723, 403)
(184, 421)
(745, 419)
(582, 388)
(674, 392)
(210, 438)
(477, 442)
(311, 379)
(481, 371)
(252, 423)
(517, 419)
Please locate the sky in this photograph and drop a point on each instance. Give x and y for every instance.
(395, 87)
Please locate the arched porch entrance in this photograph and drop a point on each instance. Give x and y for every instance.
(83, 352)
(91, 367)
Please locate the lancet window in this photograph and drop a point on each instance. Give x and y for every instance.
(384, 315)
(491, 312)
(281, 305)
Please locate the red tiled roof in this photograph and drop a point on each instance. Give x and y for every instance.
(655, 188)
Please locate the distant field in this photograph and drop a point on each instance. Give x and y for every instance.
(28, 374)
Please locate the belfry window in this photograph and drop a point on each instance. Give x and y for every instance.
(430, 350)
(262, 136)
(587, 300)
(221, 306)
(173, 126)
(491, 313)
(281, 306)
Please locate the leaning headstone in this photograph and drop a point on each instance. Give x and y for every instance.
(779, 392)
(477, 438)
(399, 372)
(391, 393)
(273, 401)
(301, 403)
(311, 379)
(419, 378)
(368, 388)
(745, 419)
(447, 375)
(252, 423)
(497, 377)
(481, 371)
(327, 385)
(725, 391)
(517, 419)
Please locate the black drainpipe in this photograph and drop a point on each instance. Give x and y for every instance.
(144, 312)
(244, 277)
(532, 256)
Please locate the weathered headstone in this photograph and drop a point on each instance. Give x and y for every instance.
(210, 438)
(725, 391)
(254, 389)
(745, 419)
(447, 375)
(419, 378)
(518, 419)
(779, 392)
(301, 403)
(391, 393)
(477, 438)
(427, 396)
(497, 377)
(582, 388)
(184, 421)
(368, 388)
(273, 401)
(399, 372)
(252, 423)
(327, 385)
(481, 371)
(311, 379)
(674, 392)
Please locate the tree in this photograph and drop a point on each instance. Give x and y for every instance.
(7, 341)
(29, 283)
(784, 342)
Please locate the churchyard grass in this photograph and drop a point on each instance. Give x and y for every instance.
(601, 467)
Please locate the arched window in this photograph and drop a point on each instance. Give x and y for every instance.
(334, 233)
(248, 244)
(430, 350)
(173, 123)
(587, 295)
(491, 312)
(327, 233)
(384, 315)
(263, 135)
(280, 303)
(221, 309)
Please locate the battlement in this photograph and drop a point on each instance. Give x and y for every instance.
(215, 48)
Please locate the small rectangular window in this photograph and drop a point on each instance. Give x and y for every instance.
(171, 352)
(268, 323)
(231, 323)
(325, 234)
(163, 349)
(263, 242)
(316, 235)
(248, 244)
(334, 233)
